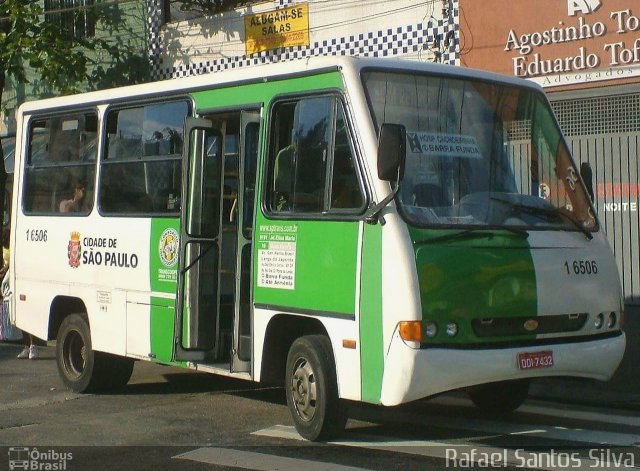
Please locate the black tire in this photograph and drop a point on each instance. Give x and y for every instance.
(312, 389)
(80, 368)
(500, 398)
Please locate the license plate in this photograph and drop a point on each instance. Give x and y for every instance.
(530, 361)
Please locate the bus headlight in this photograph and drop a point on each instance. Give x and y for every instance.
(611, 322)
(451, 329)
(599, 322)
(431, 329)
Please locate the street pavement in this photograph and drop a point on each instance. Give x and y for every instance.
(171, 418)
(622, 391)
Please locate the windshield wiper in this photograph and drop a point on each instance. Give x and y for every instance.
(472, 233)
(576, 222)
(550, 211)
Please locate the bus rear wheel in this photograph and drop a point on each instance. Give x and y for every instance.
(312, 389)
(80, 367)
(500, 398)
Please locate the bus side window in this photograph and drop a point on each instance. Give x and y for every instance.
(312, 165)
(61, 152)
(346, 192)
(142, 169)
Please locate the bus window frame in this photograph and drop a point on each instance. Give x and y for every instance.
(26, 161)
(333, 214)
(102, 160)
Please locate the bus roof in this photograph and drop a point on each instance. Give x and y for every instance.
(265, 72)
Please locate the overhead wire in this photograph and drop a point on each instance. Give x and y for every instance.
(79, 8)
(333, 25)
(237, 22)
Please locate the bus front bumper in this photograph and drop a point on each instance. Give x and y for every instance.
(412, 374)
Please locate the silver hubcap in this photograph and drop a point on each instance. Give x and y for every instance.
(303, 389)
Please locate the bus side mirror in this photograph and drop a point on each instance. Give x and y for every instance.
(391, 152)
(587, 177)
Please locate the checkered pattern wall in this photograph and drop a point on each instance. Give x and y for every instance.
(155, 18)
(438, 40)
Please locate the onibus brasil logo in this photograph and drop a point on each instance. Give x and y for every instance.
(34, 459)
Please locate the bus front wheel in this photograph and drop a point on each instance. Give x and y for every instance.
(312, 389)
(80, 367)
(500, 398)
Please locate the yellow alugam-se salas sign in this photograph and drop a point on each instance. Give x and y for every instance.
(279, 28)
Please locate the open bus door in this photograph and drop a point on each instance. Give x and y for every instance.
(213, 315)
(248, 147)
(196, 303)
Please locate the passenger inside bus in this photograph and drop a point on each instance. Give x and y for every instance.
(74, 204)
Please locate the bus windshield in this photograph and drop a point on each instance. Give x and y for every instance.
(479, 153)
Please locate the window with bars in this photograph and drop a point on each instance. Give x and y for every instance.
(180, 10)
(599, 115)
(74, 17)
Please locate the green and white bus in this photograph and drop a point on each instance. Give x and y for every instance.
(355, 229)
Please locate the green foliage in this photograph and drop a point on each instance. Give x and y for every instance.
(125, 68)
(52, 59)
(31, 47)
(25, 39)
(209, 6)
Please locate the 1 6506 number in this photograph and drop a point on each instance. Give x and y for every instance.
(581, 267)
(36, 235)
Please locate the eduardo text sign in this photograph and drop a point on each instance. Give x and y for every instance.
(555, 42)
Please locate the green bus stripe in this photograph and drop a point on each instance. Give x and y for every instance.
(467, 280)
(161, 329)
(371, 338)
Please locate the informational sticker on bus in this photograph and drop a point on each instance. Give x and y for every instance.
(433, 144)
(277, 257)
(533, 360)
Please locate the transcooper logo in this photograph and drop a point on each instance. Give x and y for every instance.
(168, 247)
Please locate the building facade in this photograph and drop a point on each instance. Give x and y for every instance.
(281, 30)
(123, 25)
(586, 55)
